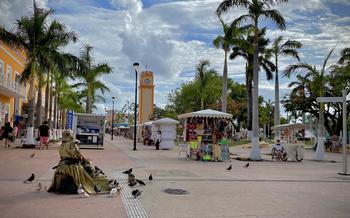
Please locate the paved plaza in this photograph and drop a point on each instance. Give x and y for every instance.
(264, 189)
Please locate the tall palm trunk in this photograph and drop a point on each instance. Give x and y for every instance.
(202, 101)
(249, 88)
(47, 95)
(255, 151)
(38, 106)
(31, 100)
(55, 109)
(50, 104)
(277, 100)
(224, 86)
(88, 99)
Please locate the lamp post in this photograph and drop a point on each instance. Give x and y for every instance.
(112, 116)
(136, 66)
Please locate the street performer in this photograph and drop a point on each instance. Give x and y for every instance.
(74, 169)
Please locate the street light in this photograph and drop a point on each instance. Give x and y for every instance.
(136, 67)
(112, 116)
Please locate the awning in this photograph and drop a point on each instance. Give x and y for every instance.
(206, 113)
(290, 126)
(166, 121)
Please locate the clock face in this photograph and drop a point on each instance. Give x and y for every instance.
(147, 81)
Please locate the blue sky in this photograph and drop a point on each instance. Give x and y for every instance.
(170, 37)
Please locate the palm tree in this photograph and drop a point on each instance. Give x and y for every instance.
(245, 50)
(280, 48)
(257, 9)
(36, 38)
(90, 74)
(232, 35)
(318, 79)
(127, 107)
(203, 76)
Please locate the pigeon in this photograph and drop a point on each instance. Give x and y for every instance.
(131, 178)
(150, 178)
(247, 165)
(128, 171)
(140, 182)
(82, 192)
(97, 190)
(229, 168)
(39, 187)
(113, 192)
(132, 184)
(99, 170)
(30, 179)
(136, 193)
(32, 155)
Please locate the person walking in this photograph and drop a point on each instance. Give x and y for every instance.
(158, 139)
(44, 135)
(7, 134)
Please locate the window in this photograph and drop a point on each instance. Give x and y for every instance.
(9, 75)
(2, 69)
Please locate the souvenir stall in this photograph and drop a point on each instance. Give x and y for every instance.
(289, 139)
(167, 128)
(146, 132)
(205, 131)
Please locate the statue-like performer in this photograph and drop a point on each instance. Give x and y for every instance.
(73, 170)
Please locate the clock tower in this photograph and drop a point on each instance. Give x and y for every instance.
(146, 97)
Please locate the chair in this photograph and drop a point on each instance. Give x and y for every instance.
(183, 148)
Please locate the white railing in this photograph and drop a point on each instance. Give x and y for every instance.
(12, 85)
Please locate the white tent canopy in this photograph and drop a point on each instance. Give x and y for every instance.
(149, 123)
(166, 121)
(206, 113)
(289, 126)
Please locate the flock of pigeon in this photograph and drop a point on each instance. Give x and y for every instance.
(132, 181)
(115, 188)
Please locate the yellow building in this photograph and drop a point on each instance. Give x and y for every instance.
(12, 93)
(146, 97)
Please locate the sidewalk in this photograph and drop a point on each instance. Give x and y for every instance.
(265, 189)
(22, 200)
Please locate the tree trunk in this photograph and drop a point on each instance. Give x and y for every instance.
(249, 97)
(55, 109)
(58, 111)
(277, 100)
(50, 105)
(224, 86)
(255, 151)
(47, 95)
(38, 106)
(88, 100)
(31, 101)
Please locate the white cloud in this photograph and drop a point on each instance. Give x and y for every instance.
(171, 37)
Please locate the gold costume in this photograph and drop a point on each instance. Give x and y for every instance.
(74, 169)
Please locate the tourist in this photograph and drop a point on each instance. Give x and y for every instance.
(158, 139)
(44, 135)
(7, 134)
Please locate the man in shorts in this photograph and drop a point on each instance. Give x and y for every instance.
(44, 135)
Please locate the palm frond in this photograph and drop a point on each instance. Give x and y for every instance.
(276, 17)
(227, 4)
(298, 68)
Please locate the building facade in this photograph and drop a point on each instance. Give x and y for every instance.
(12, 92)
